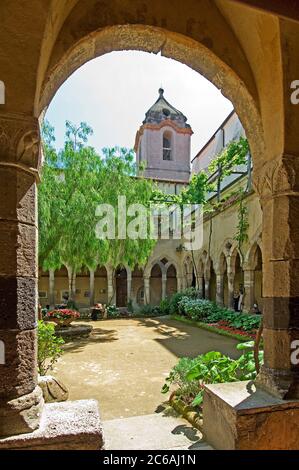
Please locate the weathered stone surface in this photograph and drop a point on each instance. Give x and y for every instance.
(240, 416)
(17, 249)
(21, 414)
(17, 195)
(73, 425)
(74, 331)
(18, 376)
(53, 389)
(18, 303)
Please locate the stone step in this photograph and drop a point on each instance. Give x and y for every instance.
(152, 432)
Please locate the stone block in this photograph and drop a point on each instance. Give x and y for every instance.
(22, 414)
(73, 425)
(18, 303)
(18, 376)
(17, 196)
(53, 389)
(240, 416)
(18, 248)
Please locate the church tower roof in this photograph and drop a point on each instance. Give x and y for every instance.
(162, 110)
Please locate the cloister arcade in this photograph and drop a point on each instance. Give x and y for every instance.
(250, 51)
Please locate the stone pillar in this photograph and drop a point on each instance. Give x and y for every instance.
(277, 184)
(110, 289)
(178, 283)
(129, 286)
(207, 288)
(147, 291)
(20, 398)
(51, 288)
(91, 287)
(220, 289)
(164, 285)
(200, 285)
(249, 289)
(230, 288)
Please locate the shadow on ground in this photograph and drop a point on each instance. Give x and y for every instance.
(184, 340)
(98, 335)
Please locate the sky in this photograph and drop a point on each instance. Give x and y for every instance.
(113, 92)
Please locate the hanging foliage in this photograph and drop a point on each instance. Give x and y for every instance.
(74, 182)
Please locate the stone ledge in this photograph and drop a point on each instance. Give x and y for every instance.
(240, 416)
(73, 425)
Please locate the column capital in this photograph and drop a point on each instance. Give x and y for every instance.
(277, 177)
(20, 142)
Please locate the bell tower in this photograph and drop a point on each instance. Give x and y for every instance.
(162, 143)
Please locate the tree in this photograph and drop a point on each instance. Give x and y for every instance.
(74, 182)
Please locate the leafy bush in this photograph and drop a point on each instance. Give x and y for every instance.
(178, 378)
(49, 347)
(165, 306)
(208, 312)
(190, 292)
(112, 311)
(189, 375)
(149, 310)
(130, 306)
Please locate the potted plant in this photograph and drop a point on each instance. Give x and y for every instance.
(63, 317)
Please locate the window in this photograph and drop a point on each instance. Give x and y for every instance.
(167, 154)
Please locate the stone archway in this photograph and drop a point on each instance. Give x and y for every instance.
(58, 37)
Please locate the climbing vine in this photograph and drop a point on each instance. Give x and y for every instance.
(241, 235)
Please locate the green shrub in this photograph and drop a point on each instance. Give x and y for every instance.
(165, 306)
(130, 306)
(49, 347)
(190, 292)
(189, 375)
(187, 390)
(208, 312)
(149, 310)
(112, 311)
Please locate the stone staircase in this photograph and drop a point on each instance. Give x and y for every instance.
(157, 431)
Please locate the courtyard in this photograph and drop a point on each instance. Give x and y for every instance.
(124, 363)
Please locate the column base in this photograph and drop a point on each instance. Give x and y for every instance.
(21, 415)
(279, 383)
(240, 416)
(73, 425)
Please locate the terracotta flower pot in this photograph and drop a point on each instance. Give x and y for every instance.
(62, 322)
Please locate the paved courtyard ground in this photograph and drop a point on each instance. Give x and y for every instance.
(125, 361)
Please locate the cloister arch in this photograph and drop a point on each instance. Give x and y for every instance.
(57, 38)
(154, 39)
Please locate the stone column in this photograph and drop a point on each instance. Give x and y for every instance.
(20, 398)
(220, 289)
(147, 291)
(164, 285)
(277, 184)
(51, 288)
(207, 287)
(230, 287)
(200, 285)
(249, 289)
(91, 287)
(129, 286)
(179, 283)
(110, 290)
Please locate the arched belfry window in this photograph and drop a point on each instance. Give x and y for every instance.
(167, 148)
